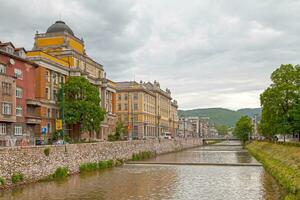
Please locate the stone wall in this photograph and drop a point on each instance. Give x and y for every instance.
(35, 165)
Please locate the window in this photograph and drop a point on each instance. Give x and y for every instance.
(19, 110)
(2, 129)
(135, 96)
(57, 114)
(62, 79)
(9, 49)
(2, 69)
(6, 109)
(18, 73)
(135, 106)
(47, 93)
(55, 78)
(19, 92)
(47, 76)
(119, 107)
(120, 97)
(55, 96)
(20, 54)
(49, 112)
(125, 106)
(18, 129)
(49, 128)
(126, 97)
(6, 88)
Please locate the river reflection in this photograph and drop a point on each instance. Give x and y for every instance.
(162, 181)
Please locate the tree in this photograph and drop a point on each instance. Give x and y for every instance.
(82, 104)
(278, 101)
(119, 133)
(243, 128)
(222, 129)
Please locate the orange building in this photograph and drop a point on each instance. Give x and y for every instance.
(60, 54)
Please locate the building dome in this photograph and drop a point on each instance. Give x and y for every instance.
(59, 26)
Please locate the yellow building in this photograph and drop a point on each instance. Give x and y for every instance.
(136, 109)
(146, 109)
(61, 54)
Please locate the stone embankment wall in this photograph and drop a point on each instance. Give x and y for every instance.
(35, 165)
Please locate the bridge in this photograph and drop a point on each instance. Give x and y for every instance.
(219, 138)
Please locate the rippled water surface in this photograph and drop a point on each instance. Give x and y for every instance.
(165, 181)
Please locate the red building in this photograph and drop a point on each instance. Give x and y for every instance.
(19, 119)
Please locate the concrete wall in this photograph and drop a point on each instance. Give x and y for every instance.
(34, 165)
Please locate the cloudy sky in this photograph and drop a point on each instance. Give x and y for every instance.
(210, 53)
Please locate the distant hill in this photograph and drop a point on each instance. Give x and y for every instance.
(221, 116)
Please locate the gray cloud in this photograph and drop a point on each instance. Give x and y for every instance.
(209, 53)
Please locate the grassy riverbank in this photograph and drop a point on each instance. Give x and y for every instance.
(282, 162)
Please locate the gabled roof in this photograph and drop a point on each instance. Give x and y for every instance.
(6, 44)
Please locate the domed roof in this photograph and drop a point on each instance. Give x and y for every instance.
(59, 26)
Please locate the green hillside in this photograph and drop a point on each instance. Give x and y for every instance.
(221, 116)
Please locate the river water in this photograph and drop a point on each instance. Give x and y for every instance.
(160, 181)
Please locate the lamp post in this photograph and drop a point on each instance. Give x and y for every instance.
(63, 108)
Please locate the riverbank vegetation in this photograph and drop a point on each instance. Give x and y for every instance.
(281, 103)
(104, 164)
(142, 155)
(61, 172)
(282, 162)
(2, 181)
(17, 177)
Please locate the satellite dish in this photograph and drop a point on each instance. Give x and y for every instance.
(11, 61)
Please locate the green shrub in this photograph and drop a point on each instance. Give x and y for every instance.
(118, 162)
(295, 144)
(106, 164)
(2, 181)
(17, 177)
(61, 172)
(88, 167)
(103, 164)
(47, 151)
(67, 139)
(110, 163)
(142, 155)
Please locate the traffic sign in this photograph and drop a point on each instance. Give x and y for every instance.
(44, 130)
(58, 124)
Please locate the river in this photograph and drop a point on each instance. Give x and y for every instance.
(161, 181)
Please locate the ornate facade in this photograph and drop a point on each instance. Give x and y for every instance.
(60, 54)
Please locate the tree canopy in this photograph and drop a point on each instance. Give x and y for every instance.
(222, 129)
(280, 102)
(82, 104)
(243, 128)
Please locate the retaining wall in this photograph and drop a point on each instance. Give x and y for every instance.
(35, 165)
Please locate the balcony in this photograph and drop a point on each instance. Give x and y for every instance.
(33, 120)
(33, 102)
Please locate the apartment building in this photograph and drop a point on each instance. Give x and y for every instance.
(19, 119)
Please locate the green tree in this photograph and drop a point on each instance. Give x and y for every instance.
(82, 104)
(222, 129)
(243, 128)
(119, 133)
(278, 101)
